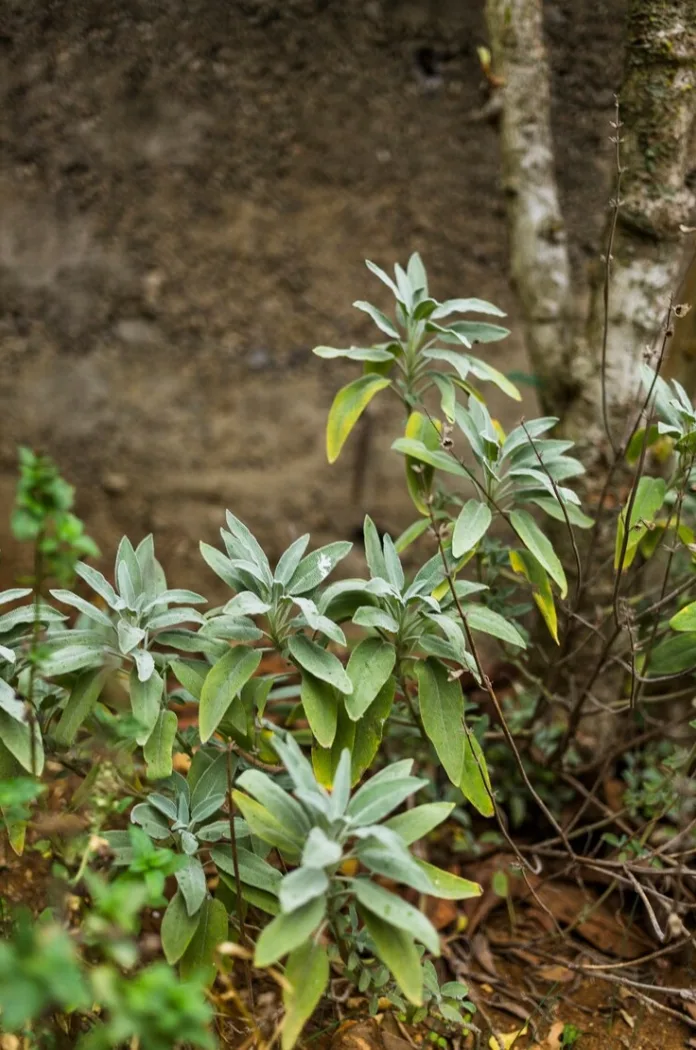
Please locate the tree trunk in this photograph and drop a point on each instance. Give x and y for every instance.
(588, 366)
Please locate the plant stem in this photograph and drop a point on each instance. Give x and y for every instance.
(237, 878)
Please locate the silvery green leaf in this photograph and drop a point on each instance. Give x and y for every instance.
(317, 622)
(150, 821)
(383, 588)
(183, 811)
(380, 835)
(231, 629)
(125, 586)
(253, 549)
(384, 277)
(120, 846)
(416, 273)
(340, 791)
(354, 353)
(178, 928)
(125, 555)
(72, 658)
(174, 617)
(220, 829)
(300, 770)
(129, 636)
(370, 665)
(373, 550)
(278, 802)
(14, 594)
(246, 604)
(375, 800)
(213, 781)
(251, 569)
(27, 614)
(252, 869)
(98, 583)
(9, 702)
(465, 306)
(206, 808)
(7, 654)
(380, 319)
(448, 334)
(220, 564)
(23, 741)
(146, 700)
(176, 596)
(300, 886)
(396, 864)
(482, 619)
(290, 559)
(163, 805)
(395, 572)
(416, 823)
(288, 931)
(192, 642)
(145, 663)
(519, 437)
(189, 843)
(315, 567)
(320, 851)
(397, 912)
(191, 881)
(369, 616)
(319, 662)
(452, 632)
(85, 607)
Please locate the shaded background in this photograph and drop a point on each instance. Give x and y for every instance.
(187, 191)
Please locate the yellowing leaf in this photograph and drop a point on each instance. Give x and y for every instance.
(526, 564)
(419, 475)
(348, 405)
(508, 1040)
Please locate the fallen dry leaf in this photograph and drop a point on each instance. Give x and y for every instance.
(480, 949)
(358, 1035)
(553, 1039)
(508, 1040)
(557, 974)
(630, 1021)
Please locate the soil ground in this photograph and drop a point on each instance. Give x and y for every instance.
(187, 192)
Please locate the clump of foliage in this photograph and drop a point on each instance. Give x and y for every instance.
(287, 813)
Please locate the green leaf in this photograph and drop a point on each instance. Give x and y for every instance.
(375, 799)
(354, 353)
(480, 618)
(369, 730)
(373, 550)
(475, 783)
(438, 458)
(287, 932)
(152, 823)
(72, 658)
(81, 702)
(320, 851)
(146, 699)
(191, 678)
(685, 620)
(649, 497)
(482, 370)
(369, 668)
(290, 559)
(418, 822)
(537, 544)
(673, 655)
(319, 662)
(314, 569)
(253, 870)
(158, 749)
(465, 306)
(348, 405)
(279, 803)
(380, 319)
(395, 864)
(442, 710)
(398, 952)
(552, 507)
(411, 534)
(211, 931)
(320, 705)
(300, 886)
(212, 782)
(17, 739)
(307, 975)
(369, 616)
(264, 825)
(448, 886)
(223, 683)
(395, 911)
(471, 525)
(178, 928)
(191, 882)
